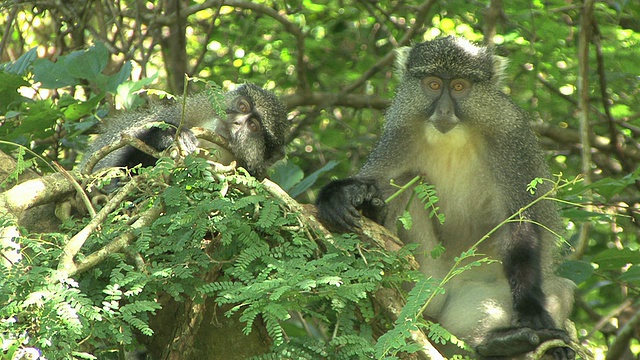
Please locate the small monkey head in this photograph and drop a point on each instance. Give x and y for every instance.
(257, 124)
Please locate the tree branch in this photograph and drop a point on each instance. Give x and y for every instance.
(35, 192)
(492, 14)
(334, 99)
(119, 243)
(66, 265)
(624, 336)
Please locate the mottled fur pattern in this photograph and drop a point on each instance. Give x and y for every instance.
(253, 151)
(480, 166)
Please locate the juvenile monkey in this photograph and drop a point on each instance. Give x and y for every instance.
(451, 123)
(255, 127)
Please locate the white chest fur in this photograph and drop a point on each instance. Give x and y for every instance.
(456, 163)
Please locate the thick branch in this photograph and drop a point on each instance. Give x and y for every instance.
(583, 86)
(35, 192)
(492, 14)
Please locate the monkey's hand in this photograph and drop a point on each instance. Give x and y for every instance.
(188, 141)
(340, 202)
(161, 139)
(509, 342)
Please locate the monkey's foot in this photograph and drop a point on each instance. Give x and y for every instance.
(505, 343)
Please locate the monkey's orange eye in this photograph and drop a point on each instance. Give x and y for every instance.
(460, 85)
(244, 106)
(254, 125)
(432, 83)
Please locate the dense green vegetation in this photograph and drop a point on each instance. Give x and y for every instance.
(214, 249)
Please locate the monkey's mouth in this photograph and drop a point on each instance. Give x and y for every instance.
(445, 124)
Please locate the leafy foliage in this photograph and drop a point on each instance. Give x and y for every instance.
(66, 66)
(265, 271)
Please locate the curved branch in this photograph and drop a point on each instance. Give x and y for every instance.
(119, 243)
(125, 140)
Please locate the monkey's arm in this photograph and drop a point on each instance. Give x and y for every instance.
(161, 139)
(341, 202)
(526, 246)
(158, 138)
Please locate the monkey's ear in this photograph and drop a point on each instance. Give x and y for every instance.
(499, 65)
(402, 55)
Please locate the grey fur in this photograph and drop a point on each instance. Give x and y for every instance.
(480, 165)
(255, 152)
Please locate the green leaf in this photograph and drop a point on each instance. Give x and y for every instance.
(406, 220)
(70, 69)
(114, 81)
(632, 274)
(307, 182)
(615, 259)
(87, 64)
(286, 174)
(37, 121)
(126, 92)
(22, 64)
(9, 85)
(80, 109)
(577, 270)
(52, 75)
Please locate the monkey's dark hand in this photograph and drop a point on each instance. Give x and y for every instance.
(340, 202)
(506, 343)
(161, 139)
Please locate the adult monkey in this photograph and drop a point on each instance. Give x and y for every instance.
(255, 127)
(450, 123)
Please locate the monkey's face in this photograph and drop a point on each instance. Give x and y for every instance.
(246, 134)
(446, 94)
(442, 77)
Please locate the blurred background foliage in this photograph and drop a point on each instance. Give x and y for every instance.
(68, 64)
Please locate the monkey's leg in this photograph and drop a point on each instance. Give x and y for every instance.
(524, 272)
